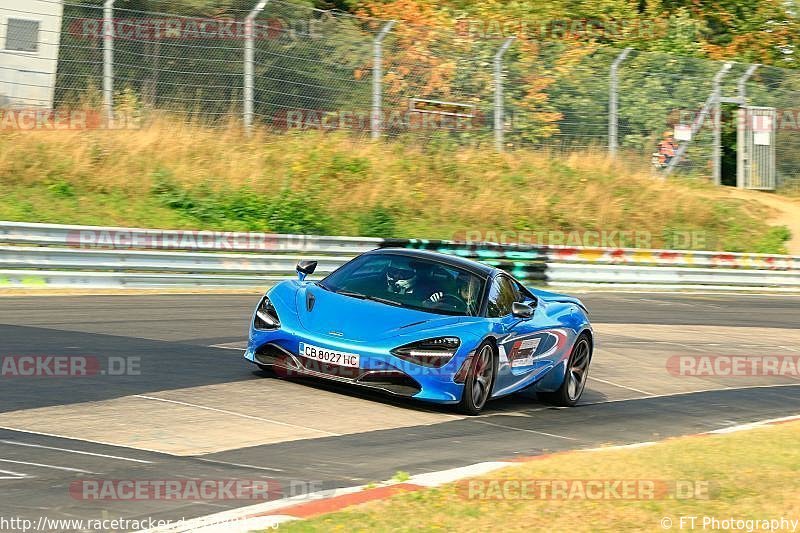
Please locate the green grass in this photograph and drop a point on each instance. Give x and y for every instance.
(749, 475)
(171, 175)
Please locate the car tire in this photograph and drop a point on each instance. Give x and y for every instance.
(571, 390)
(480, 380)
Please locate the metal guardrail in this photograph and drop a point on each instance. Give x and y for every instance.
(18, 257)
(93, 237)
(616, 256)
(664, 276)
(97, 257)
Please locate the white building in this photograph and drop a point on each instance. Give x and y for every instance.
(30, 32)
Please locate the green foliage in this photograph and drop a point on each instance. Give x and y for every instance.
(379, 221)
(286, 212)
(348, 168)
(401, 476)
(774, 241)
(61, 189)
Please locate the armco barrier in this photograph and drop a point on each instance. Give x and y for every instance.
(93, 237)
(44, 255)
(617, 256)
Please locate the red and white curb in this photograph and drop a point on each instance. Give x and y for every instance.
(269, 515)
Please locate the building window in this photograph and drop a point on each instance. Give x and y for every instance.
(22, 35)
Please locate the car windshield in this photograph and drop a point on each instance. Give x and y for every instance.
(409, 282)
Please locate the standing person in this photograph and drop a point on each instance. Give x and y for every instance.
(667, 148)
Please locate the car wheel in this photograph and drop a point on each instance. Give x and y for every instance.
(576, 376)
(478, 385)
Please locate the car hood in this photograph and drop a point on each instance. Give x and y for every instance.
(358, 320)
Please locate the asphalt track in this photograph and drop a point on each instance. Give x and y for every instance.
(193, 409)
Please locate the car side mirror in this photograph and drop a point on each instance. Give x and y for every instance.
(521, 310)
(304, 268)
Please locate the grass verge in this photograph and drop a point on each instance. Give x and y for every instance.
(176, 175)
(751, 475)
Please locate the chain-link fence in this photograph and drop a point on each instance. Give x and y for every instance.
(277, 65)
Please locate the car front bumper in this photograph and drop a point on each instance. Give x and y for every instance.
(378, 369)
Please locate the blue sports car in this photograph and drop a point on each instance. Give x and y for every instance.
(425, 325)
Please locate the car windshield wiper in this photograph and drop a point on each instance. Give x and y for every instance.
(368, 297)
(352, 294)
(383, 301)
(323, 286)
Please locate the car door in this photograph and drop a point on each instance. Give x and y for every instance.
(520, 341)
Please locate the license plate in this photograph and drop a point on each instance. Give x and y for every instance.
(331, 357)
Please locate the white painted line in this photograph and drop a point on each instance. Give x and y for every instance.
(232, 413)
(621, 386)
(753, 425)
(93, 441)
(80, 452)
(522, 429)
(12, 475)
(684, 393)
(434, 479)
(239, 465)
(40, 465)
(430, 479)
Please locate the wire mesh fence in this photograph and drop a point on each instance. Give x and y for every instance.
(283, 66)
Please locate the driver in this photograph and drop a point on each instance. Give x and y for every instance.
(400, 280)
(415, 278)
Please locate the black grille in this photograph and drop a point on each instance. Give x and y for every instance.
(393, 381)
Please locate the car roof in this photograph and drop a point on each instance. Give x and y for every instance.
(473, 267)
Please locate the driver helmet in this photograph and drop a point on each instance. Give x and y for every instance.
(400, 279)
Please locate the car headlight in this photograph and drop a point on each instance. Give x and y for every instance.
(429, 352)
(266, 315)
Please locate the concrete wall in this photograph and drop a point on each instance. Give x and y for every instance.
(27, 78)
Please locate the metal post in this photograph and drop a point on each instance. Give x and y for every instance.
(701, 117)
(742, 157)
(249, 60)
(108, 62)
(499, 119)
(613, 100)
(376, 123)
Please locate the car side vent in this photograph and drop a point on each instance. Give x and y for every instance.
(310, 301)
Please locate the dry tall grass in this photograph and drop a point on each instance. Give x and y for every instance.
(431, 191)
